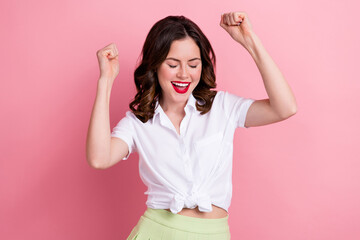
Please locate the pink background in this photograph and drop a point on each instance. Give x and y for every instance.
(297, 179)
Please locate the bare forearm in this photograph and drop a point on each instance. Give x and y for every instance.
(282, 100)
(98, 138)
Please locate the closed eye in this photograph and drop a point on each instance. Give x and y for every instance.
(174, 66)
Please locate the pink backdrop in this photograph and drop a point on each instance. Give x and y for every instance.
(297, 179)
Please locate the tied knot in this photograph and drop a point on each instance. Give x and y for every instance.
(180, 201)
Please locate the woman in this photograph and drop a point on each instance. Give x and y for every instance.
(183, 130)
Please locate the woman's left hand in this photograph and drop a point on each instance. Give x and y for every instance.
(238, 25)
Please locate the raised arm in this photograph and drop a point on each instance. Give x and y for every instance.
(281, 103)
(102, 151)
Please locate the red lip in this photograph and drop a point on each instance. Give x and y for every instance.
(181, 91)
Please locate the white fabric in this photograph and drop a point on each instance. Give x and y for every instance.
(193, 168)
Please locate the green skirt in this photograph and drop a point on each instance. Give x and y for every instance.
(159, 224)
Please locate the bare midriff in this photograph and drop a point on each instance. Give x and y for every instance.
(217, 212)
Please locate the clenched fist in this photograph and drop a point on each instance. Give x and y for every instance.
(238, 25)
(108, 62)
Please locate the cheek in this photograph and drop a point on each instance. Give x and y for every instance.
(164, 74)
(197, 75)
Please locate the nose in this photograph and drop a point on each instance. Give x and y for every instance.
(182, 73)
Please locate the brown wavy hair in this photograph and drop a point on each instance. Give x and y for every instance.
(154, 52)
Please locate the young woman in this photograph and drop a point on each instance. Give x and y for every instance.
(181, 128)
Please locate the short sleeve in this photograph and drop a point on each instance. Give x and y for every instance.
(125, 130)
(236, 108)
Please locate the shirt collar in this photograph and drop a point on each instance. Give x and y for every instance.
(191, 103)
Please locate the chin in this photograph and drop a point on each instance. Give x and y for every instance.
(181, 97)
(178, 95)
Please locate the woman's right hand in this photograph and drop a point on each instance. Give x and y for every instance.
(108, 62)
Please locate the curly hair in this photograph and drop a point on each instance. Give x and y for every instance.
(154, 52)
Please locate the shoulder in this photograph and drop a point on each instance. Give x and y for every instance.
(224, 97)
(229, 102)
(230, 98)
(219, 96)
(128, 120)
(218, 103)
(129, 114)
(132, 118)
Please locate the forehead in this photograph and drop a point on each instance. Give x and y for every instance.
(185, 48)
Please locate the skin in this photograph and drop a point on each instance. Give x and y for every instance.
(103, 151)
(281, 103)
(186, 68)
(183, 63)
(279, 106)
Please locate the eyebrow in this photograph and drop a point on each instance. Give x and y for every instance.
(193, 59)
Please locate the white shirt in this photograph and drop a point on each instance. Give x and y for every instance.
(193, 168)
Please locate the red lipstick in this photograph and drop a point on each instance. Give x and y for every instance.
(180, 89)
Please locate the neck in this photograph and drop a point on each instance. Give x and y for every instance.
(173, 107)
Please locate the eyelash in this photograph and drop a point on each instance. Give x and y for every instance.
(174, 66)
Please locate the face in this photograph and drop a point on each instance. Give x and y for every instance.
(180, 73)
